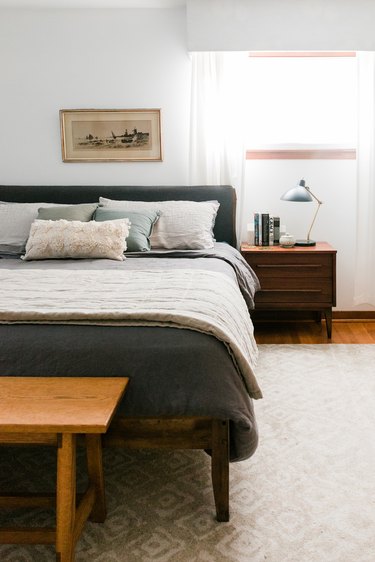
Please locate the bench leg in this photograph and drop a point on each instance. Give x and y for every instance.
(65, 498)
(220, 468)
(96, 476)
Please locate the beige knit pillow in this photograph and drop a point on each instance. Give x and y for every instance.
(50, 239)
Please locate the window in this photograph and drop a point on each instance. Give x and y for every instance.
(302, 105)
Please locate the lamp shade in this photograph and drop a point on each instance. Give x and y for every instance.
(298, 193)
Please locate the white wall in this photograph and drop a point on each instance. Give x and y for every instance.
(53, 59)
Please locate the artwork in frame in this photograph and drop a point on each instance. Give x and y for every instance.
(111, 135)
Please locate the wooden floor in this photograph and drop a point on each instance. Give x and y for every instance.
(312, 332)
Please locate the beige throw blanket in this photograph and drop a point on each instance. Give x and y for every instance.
(205, 301)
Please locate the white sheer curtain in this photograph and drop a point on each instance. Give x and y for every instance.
(364, 292)
(218, 122)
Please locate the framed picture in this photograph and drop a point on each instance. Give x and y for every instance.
(110, 135)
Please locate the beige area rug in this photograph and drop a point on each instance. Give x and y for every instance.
(307, 495)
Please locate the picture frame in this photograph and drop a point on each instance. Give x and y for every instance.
(111, 135)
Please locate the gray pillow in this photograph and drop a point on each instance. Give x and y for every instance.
(15, 223)
(183, 225)
(81, 213)
(140, 226)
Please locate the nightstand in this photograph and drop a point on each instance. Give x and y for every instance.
(298, 278)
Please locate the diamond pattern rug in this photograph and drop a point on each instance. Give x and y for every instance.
(307, 495)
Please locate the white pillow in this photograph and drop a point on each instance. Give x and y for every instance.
(15, 223)
(182, 224)
(75, 239)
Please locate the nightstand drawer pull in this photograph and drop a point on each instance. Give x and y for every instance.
(297, 265)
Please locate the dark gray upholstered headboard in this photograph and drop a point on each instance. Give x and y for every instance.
(225, 226)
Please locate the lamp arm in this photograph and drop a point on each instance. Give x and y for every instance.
(316, 212)
(312, 195)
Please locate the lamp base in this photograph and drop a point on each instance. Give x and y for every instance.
(305, 243)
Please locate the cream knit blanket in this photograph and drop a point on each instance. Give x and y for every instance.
(205, 301)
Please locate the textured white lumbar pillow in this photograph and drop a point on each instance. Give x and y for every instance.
(50, 239)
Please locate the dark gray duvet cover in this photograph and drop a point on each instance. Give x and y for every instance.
(173, 372)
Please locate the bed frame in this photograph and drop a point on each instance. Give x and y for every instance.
(206, 433)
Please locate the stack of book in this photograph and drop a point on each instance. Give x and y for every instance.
(266, 229)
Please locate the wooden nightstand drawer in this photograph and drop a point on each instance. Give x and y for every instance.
(294, 265)
(320, 294)
(294, 290)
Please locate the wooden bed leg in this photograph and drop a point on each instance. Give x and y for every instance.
(220, 468)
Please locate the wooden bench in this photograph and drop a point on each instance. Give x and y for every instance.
(40, 410)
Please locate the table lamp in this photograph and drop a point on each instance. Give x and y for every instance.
(302, 194)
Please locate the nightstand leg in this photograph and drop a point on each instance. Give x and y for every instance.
(328, 316)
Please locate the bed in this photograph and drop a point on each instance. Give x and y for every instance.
(187, 386)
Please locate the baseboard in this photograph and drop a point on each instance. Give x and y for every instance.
(275, 316)
(354, 315)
